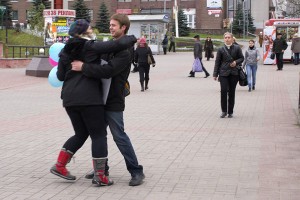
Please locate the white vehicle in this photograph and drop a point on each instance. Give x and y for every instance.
(288, 28)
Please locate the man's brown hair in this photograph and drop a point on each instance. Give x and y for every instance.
(123, 20)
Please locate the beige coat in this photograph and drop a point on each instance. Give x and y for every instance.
(295, 47)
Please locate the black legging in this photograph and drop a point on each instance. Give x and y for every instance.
(144, 69)
(88, 121)
(228, 86)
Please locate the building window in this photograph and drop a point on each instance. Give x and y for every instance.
(14, 15)
(124, 0)
(190, 17)
(233, 4)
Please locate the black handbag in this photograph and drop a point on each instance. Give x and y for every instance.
(242, 77)
(272, 56)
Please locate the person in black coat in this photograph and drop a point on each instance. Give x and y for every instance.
(198, 54)
(208, 48)
(83, 99)
(279, 46)
(165, 44)
(228, 59)
(141, 58)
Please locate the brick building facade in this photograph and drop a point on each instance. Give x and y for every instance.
(195, 10)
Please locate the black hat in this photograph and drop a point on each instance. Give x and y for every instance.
(78, 27)
(197, 36)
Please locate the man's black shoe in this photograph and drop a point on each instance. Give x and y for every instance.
(137, 179)
(230, 116)
(223, 114)
(207, 76)
(191, 75)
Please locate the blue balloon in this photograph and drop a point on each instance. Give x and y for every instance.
(54, 50)
(52, 78)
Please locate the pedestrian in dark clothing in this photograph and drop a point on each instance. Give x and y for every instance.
(228, 59)
(141, 58)
(83, 100)
(208, 48)
(165, 44)
(198, 54)
(115, 104)
(135, 67)
(279, 46)
(172, 42)
(295, 47)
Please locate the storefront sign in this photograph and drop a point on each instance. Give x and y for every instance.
(124, 11)
(214, 4)
(210, 12)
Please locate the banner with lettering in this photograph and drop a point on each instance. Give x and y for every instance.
(57, 24)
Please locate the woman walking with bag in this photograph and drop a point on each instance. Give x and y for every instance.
(228, 58)
(143, 57)
(251, 58)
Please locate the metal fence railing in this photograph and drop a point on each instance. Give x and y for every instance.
(19, 51)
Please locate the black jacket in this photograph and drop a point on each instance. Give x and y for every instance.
(223, 60)
(120, 64)
(198, 50)
(279, 45)
(78, 89)
(141, 55)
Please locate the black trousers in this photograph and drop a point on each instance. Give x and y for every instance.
(165, 50)
(144, 70)
(88, 121)
(279, 60)
(228, 86)
(172, 45)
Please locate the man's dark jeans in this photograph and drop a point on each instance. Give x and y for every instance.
(116, 125)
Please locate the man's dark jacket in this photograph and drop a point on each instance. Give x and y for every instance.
(279, 45)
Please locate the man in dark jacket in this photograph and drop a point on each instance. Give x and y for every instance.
(228, 58)
(279, 46)
(198, 54)
(115, 105)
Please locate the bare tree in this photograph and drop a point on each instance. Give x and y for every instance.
(293, 8)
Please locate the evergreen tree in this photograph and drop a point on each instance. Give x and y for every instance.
(183, 29)
(46, 3)
(6, 14)
(251, 27)
(36, 19)
(82, 11)
(238, 21)
(102, 24)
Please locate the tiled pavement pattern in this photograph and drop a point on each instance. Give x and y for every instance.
(187, 151)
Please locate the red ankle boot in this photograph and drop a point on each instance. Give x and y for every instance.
(59, 169)
(100, 179)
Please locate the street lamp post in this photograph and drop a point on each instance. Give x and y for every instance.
(6, 36)
(244, 19)
(175, 10)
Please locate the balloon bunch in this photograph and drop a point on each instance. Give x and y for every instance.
(54, 50)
